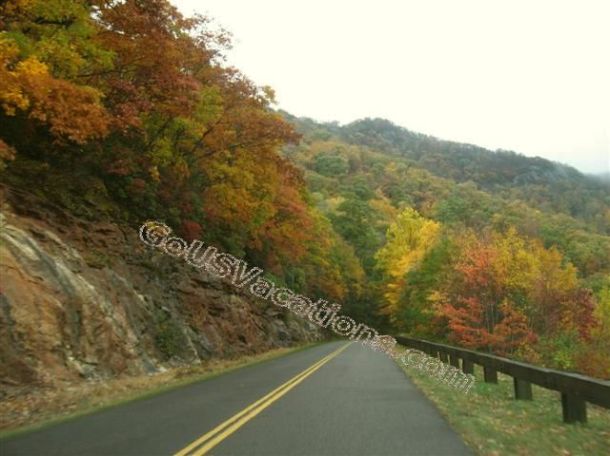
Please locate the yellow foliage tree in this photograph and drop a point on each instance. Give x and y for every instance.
(407, 241)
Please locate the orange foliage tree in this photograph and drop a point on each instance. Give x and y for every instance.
(507, 292)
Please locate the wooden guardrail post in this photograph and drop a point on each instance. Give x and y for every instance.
(444, 357)
(523, 389)
(574, 408)
(467, 366)
(490, 375)
(454, 361)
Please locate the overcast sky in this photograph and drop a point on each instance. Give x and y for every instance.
(531, 76)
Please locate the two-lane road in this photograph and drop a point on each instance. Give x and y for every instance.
(332, 399)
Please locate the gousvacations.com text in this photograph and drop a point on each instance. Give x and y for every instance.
(226, 266)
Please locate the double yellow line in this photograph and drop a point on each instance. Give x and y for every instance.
(209, 440)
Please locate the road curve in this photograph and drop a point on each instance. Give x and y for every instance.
(333, 399)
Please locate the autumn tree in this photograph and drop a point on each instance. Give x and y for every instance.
(508, 292)
(407, 241)
(44, 47)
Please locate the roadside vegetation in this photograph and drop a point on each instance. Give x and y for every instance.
(492, 422)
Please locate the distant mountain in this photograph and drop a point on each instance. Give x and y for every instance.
(543, 184)
(604, 177)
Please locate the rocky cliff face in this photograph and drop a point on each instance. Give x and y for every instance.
(88, 300)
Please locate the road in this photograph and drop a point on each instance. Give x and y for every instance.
(332, 399)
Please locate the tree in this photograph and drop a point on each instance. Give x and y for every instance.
(507, 291)
(407, 241)
(31, 91)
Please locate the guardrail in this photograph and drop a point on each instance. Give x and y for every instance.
(576, 390)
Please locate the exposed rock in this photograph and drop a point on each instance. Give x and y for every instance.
(84, 300)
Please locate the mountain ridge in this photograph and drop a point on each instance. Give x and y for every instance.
(545, 184)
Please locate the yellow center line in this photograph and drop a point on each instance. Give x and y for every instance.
(228, 427)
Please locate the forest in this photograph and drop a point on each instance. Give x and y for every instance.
(128, 111)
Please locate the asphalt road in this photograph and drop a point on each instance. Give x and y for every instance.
(333, 399)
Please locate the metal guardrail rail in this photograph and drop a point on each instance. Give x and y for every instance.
(576, 390)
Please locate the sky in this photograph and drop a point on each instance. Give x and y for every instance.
(529, 76)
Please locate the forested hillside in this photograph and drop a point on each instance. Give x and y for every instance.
(124, 111)
(127, 111)
(120, 112)
(490, 250)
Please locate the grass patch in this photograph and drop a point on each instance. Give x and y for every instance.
(492, 422)
(26, 411)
